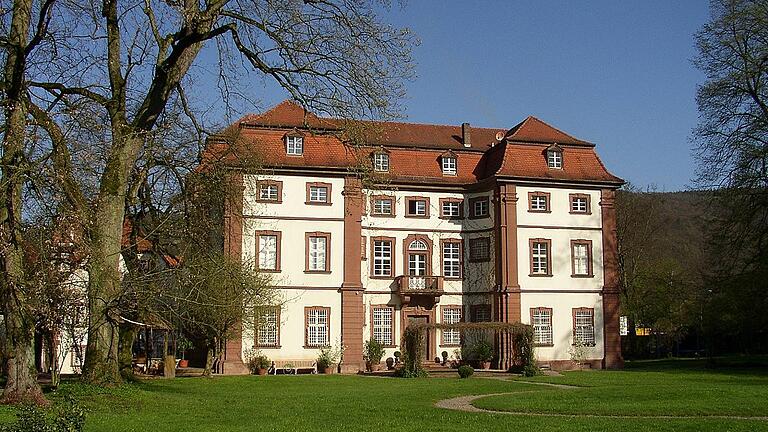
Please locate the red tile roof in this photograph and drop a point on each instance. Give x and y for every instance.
(414, 149)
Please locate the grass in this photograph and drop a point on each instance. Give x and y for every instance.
(356, 403)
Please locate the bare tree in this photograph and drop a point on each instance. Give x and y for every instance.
(105, 75)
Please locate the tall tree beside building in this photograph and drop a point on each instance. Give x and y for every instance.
(732, 148)
(102, 97)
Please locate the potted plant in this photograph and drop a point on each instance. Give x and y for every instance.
(373, 352)
(483, 351)
(182, 345)
(328, 358)
(258, 364)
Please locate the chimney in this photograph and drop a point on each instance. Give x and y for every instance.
(465, 135)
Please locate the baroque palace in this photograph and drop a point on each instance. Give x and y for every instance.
(454, 223)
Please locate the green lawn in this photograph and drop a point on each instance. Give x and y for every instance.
(356, 403)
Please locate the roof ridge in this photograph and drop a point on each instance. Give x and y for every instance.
(414, 123)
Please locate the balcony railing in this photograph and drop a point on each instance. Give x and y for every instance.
(408, 285)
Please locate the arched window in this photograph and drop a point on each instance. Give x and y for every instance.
(418, 245)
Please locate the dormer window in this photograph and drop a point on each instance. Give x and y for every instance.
(449, 165)
(555, 157)
(381, 162)
(294, 145)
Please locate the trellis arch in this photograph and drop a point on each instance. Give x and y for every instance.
(513, 344)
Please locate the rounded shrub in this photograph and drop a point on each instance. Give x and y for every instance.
(465, 371)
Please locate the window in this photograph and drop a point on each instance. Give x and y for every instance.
(381, 162)
(382, 206)
(451, 208)
(540, 261)
(317, 324)
(449, 165)
(318, 254)
(418, 260)
(452, 259)
(319, 193)
(268, 250)
(541, 319)
(381, 265)
(451, 315)
(480, 249)
(77, 354)
(581, 255)
(417, 207)
(479, 207)
(584, 326)
(267, 327)
(294, 145)
(270, 191)
(481, 313)
(555, 159)
(382, 330)
(580, 204)
(538, 202)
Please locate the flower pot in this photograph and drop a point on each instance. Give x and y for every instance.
(376, 367)
(485, 365)
(261, 371)
(327, 370)
(183, 363)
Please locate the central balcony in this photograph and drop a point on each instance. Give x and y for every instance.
(428, 286)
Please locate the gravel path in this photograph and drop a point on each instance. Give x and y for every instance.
(464, 403)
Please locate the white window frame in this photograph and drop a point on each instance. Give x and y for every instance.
(449, 165)
(379, 206)
(580, 204)
(318, 324)
(539, 202)
(584, 326)
(318, 194)
(451, 255)
(580, 260)
(382, 320)
(540, 258)
(555, 159)
(480, 208)
(451, 315)
(453, 209)
(381, 162)
(268, 251)
(294, 145)
(268, 328)
(382, 258)
(268, 192)
(317, 254)
(541, 320)
(420, 207)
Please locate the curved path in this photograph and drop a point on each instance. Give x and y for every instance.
(464, 403)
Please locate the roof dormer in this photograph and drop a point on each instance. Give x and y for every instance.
(380, 160)
(294, 143)
(554, 155)
(449, 163)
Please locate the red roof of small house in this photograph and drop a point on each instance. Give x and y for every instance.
(415, 149)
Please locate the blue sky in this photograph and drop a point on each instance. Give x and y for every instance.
(616, 73)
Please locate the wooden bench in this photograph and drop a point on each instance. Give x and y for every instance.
(293, 367)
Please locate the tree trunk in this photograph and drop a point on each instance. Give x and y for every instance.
(21, 385)
(208, 363)
(104, 284)
(125, 351)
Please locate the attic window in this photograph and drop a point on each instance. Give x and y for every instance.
(449, 165)
(555, 158)
(381, 162)
(294, 145)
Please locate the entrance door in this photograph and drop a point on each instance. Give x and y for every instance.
(423, 319)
